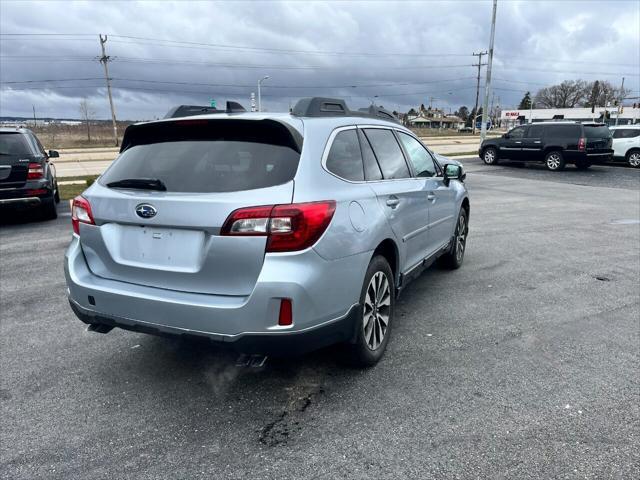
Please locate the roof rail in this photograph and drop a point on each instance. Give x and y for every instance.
(336, 107)
(191, 110)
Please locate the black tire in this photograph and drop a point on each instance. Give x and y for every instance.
(455, 256)
(554, 161)
(49, 210)
(368, 346)
(56, 196)
(490, 156)
(633, 158)
(582, 165)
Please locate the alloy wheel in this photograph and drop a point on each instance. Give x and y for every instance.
(377, 308)
(553, 161)
(461, 237)
(634, 159)
(489, 157)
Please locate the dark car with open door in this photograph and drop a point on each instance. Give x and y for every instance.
(27, 175)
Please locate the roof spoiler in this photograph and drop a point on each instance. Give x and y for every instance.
(191, 110)
(337, 107)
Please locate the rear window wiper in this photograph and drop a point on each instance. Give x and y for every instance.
(141, 183)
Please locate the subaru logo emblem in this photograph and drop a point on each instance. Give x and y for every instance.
(144, 210)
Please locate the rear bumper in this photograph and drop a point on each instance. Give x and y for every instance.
(31, 194)
(21, 202)
(275, 344)
(324, 296)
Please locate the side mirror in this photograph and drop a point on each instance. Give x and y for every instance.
(453, 172)
(53, 154)
(505, 135)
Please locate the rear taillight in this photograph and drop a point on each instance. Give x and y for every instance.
(582, 144)
(288, 228)
(81, 213)
(35, 171)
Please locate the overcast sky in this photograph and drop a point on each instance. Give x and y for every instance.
(403, 53)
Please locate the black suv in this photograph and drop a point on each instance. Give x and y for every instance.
(554, 143)
(27, 177)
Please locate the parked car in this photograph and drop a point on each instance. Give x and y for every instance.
(554, 143)
(275, 233)
(626, 144)
(27, 175)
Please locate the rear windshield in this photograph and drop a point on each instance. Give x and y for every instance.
(13, 144)
(200, 156)
(597, 132)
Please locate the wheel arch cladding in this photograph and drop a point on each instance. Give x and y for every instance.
(388, 249)
(467, 207)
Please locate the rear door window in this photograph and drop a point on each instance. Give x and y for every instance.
(388, 153)
(199, 156)
(14, 144)
(626, 133)
(345, 159)
(419, 157)
(535, 131)
(371, 168)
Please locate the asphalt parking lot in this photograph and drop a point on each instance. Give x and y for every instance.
(522, 364)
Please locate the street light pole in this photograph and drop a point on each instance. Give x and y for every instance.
(487, 89)
(621, 96)
(260, 93)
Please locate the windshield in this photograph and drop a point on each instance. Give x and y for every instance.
(207, 157)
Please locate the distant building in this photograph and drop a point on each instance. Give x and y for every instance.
(511, 118)
(434, 118)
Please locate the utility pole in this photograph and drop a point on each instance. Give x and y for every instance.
(487, 83)
(104, 59)
(479, 65)
(35, 122)
(621, 97)
(531, 110)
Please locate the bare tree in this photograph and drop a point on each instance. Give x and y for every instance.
(568, 94)
(87, 114)
(602, 93)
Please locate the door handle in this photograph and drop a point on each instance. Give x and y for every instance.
(393, 201)
(518, 142)
(431, 196)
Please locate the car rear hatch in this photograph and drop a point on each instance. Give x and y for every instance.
(170, 238)
(15, 156)
(598, 139)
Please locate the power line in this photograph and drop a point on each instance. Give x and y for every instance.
(51, 80)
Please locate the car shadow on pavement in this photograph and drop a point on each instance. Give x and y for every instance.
(13, 216)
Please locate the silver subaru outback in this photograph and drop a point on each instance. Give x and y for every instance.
(276, 233)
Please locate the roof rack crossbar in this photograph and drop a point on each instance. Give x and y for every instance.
(336, 107)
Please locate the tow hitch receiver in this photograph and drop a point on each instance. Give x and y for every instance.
(99, 328)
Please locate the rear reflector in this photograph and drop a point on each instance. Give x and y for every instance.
(35, 171)
(81, 213)
(288, 228)
(37, 191)
(286, 314)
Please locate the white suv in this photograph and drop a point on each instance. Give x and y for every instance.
(626, 144)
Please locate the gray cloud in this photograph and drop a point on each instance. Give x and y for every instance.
(537, 43)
